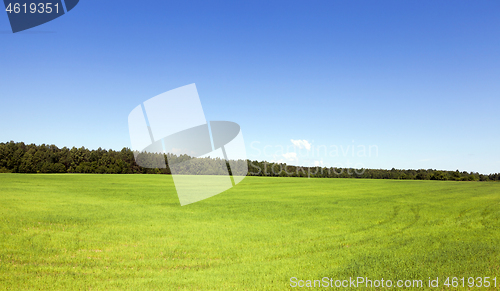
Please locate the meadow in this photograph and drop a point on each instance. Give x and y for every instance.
(128, 232)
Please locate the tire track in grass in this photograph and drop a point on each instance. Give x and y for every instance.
(468, 215)
(486, 214)
(396, 210)
(463, 215)
(416, 212)
(415, 209)
(393, 217)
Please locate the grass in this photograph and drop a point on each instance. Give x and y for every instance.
(129, 232)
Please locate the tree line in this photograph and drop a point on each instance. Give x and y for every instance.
(257, 168)
(31, 158)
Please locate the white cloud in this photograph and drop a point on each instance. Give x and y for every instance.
(301, 144)
(286, 158)
(179, 151)
(290, 156)
(318, 163)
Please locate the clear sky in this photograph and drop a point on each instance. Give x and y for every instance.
(419, 80)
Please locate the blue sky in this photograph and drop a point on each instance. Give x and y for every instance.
(417, 79)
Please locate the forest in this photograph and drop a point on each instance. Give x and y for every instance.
(17, 157)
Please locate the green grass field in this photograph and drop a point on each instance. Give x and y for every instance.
(129, 232)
